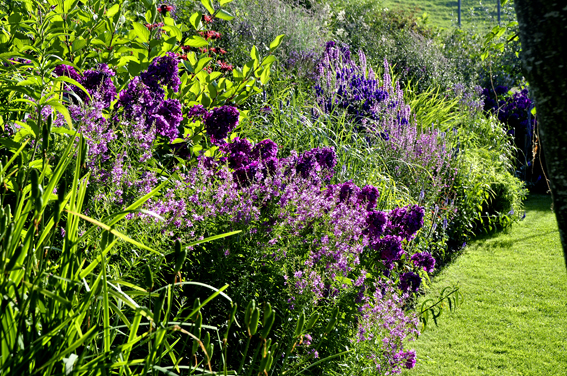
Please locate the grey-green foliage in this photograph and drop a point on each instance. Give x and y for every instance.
(258, 22)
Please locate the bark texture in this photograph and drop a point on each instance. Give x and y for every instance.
(543, 34)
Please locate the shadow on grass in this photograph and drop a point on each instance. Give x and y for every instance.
(535, 203)
(540, 203)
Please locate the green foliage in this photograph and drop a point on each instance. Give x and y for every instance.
(108, 295)
(490, 195)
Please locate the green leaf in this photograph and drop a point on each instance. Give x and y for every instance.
(275, 44)
(224, 15)
(195, 20)
(196, 42)
(265, 76)
(222, 2)
(173, 31)
(141, 31)
(254, 54)
(112, 10)
(268, 60)
(208, 4)
(202, 63)
(62, 110)
(533, 111)
(148, 3)
(78, 44)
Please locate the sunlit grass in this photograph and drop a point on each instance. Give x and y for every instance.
(474, 13)
(513, 318)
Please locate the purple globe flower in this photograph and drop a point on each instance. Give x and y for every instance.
(265, 150)
(326, 157)
(368, 195)
(424, 260)
(409, 359)
(269, 166)
(410, 282)
(170, 112)
(307, 165)
(219, 122)
(390, 248)
(405, 221)
(376, 221)
(347, 190)
(98, 81)
(196, 112)
(238, 152)
(244, 176)
(137, 100)
(315, 160)
(66, 70)
(164, 71)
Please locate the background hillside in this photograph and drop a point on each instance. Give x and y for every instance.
(475, 13)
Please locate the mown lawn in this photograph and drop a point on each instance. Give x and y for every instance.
(513, 320)
(444, 13)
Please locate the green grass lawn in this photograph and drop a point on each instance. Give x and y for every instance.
(482, 14)
(513, 320)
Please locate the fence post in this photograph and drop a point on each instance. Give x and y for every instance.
(459, 11)
(498, 2)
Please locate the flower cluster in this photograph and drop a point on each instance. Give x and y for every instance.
(424, 260)
(513, 110)
(249, 178)
(383, 328)
(145, 97)
(219, 121)
(405, 222)
(378, 110)
(210, 34)
(97, 81)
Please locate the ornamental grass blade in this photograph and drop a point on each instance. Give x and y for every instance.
(114, 232)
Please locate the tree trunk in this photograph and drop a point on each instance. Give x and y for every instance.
(543, 34)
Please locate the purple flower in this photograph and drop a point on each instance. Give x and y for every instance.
(390, 248)
(137, 100)
(244, 176)
(270, 166)
(164, 71)
(238, 152)
(219, 122)
(196, 112)
(167, 118)
(409, 358)
(410, 282)
(98, 81)
(424, 260)
(307, 165)
(66, 70)
(376, 221)
(326, 157)
(405, 221)
(347, 190)
(369, 195)
(264, 150)
(315, 160)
